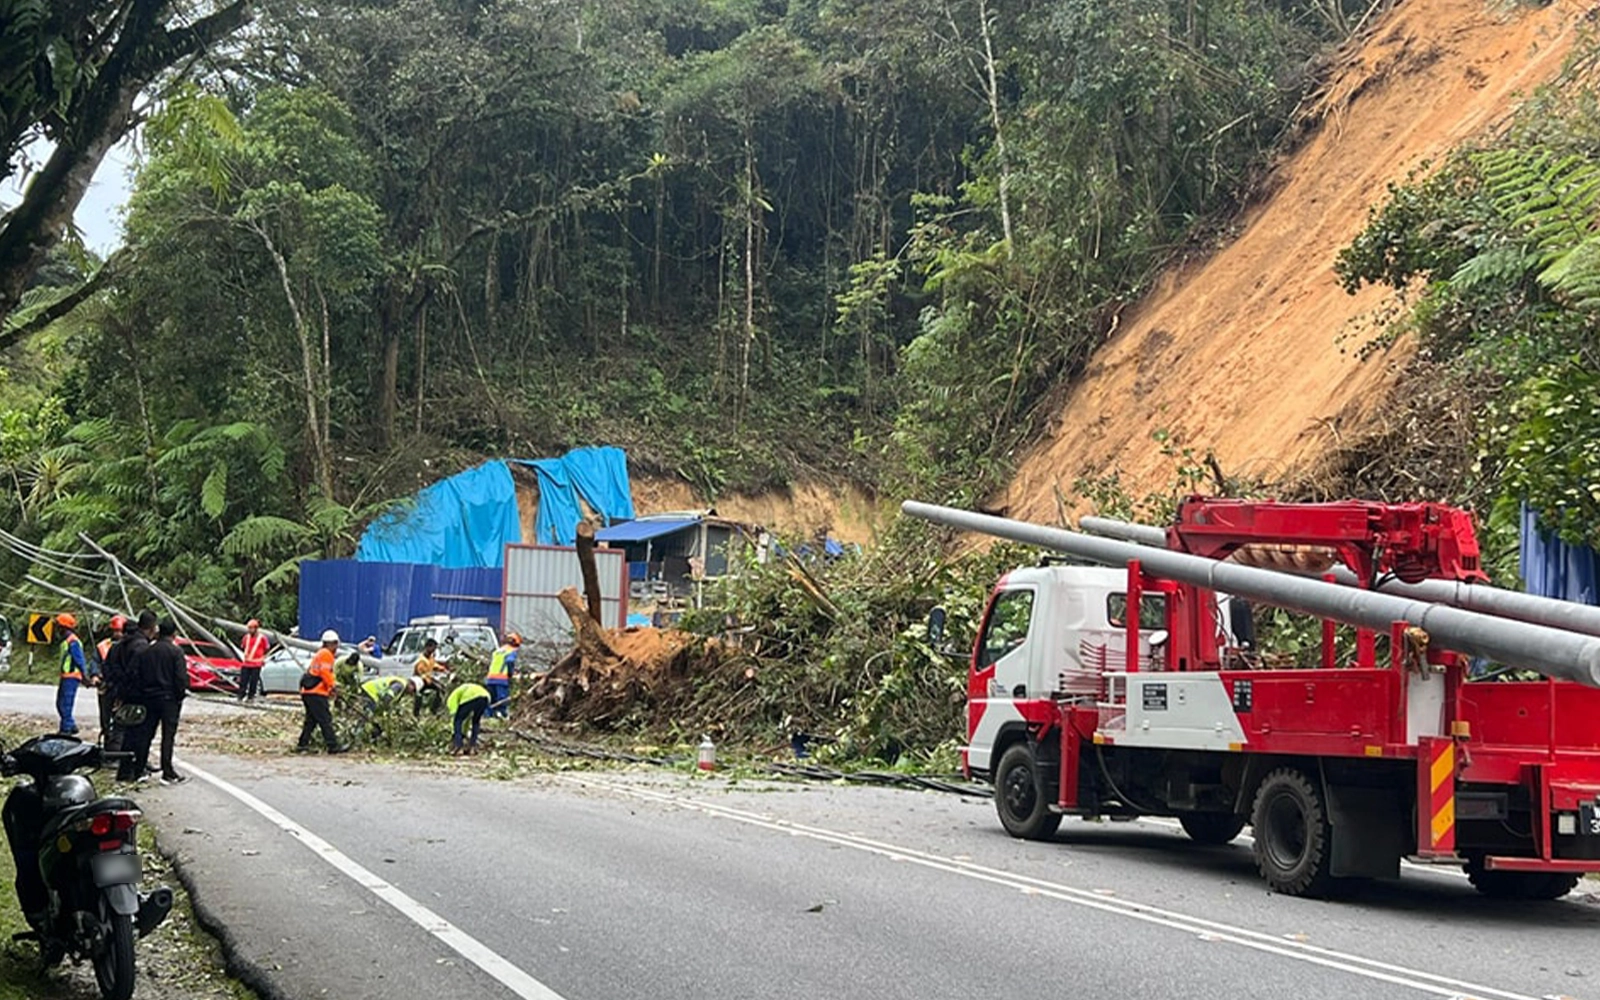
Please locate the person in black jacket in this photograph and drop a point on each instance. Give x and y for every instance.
(129, 682)
(164, 676)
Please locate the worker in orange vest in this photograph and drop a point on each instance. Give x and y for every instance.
(502, 668)
(73, 669)
(108, 698)
(316, 694)
(254, 649)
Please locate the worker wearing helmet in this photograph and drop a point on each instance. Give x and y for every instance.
(377, 693)
(253, 650)
(467, 701)
(73, 668)
(316, 694)
(502, 668)
(105, 650)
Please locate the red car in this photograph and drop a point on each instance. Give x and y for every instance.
(211, 667)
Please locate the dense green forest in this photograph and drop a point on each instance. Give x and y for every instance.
(747, 240)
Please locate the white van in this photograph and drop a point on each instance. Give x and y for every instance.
(452, 634)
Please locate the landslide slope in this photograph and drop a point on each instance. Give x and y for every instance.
(1252, 352)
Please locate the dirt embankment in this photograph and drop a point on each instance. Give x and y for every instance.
(846, 513)
(1251, 353)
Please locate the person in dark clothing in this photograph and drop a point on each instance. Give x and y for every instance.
(110, 652)
(164, 676)
(131, 692)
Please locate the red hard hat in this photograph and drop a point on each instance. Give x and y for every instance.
(118, 623)
(252, 623)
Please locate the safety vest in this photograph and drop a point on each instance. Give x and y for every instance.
(103, 648)
(464, 694)
(322, 669)
(69, 669)
(382, 688)
(254, 648)
(498, 669)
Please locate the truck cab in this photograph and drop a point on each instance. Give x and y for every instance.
(1049, 635)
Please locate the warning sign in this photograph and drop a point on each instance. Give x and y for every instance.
(40, 629)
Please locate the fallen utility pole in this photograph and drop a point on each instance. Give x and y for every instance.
(1567, 615)
(172, 606)
(79, 598)
(1566, 655)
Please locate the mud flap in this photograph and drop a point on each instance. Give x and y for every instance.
(1369, 832)
(122, 898)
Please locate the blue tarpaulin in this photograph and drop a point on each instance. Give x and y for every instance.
(358, 599)
(598, 475)
(464, 521)
(1552, 568)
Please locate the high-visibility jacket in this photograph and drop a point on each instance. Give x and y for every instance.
(381, 689)
(102, 649)
(463, 694)
(502, 664)
(322, 669)
(72, 664)
(254, 648)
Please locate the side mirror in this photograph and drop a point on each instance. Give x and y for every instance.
(1158, 638)
(936, 619)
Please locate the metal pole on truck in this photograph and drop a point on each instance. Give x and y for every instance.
(1567, 615)
(1566, 655)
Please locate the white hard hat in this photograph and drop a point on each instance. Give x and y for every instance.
(330, 636)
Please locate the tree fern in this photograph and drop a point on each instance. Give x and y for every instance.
(1556, 201)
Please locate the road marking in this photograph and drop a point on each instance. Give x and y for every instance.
(1407, 864)
(1423, 982)
(448, 934)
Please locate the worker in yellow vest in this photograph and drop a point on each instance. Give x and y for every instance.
(379, 692)
(467, 701)
(73, 669)
(502, 669)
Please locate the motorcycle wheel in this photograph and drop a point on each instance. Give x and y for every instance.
(113, 961)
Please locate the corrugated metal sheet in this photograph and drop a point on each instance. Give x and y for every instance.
(645, 529)
(535, 574)
(358, 599)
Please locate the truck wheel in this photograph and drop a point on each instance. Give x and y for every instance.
(1212, 829)
(1021, 798)
(1293, 844)
(1518, 885)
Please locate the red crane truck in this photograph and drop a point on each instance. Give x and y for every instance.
(1098, 691)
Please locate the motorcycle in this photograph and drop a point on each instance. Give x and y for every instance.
(77, 859)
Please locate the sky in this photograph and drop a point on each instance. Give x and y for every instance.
(99, 214)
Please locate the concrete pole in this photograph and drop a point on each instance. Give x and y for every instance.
(1564, 655)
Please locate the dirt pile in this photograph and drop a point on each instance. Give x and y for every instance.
(1253, 352)
(612, 673)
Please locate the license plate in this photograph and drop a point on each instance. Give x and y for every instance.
(1589, 819)
(114, 869)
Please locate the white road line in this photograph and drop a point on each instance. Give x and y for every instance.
(1424, 982)
(448, 934)
(1407, 864)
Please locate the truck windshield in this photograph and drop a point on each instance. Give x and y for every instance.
(1007, 626)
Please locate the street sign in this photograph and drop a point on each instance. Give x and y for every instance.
(41, 628)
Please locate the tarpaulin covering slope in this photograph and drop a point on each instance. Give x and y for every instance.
(1552, 568)
(457, 523)
(598, 475)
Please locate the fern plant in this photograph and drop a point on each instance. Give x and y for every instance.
(1555, 200)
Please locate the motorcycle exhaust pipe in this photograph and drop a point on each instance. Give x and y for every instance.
(153, 908)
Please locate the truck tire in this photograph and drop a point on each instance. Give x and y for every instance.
(1021, 798)
(1518, 885)
(1211, 829)
(1293, 841)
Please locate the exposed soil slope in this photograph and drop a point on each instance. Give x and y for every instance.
(1251, 353)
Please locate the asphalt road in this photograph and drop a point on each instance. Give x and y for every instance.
(343, 878)
(40, 700)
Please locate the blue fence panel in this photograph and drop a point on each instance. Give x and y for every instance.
(358, 599)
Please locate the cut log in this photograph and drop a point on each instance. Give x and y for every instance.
(594, 645)
(591, 574)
